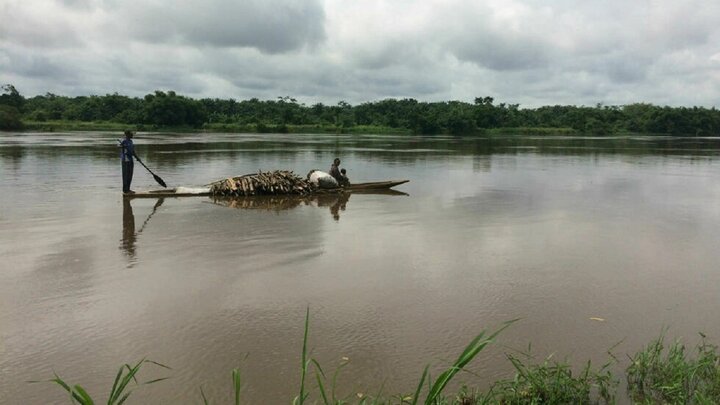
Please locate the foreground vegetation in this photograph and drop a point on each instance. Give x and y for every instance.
(170, 111)
(654, 376)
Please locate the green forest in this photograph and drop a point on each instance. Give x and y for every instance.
(168, 110)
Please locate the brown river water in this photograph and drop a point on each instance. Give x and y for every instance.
(552, 230)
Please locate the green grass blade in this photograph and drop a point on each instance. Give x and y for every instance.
(130, 376)
(317, 366)
(420, 385)
(130, 369)
(86, 399)
(303, 370)
(236, 385)
(156, 380)
(321, 386)
(57, 380)
(74, 396)
(117, 380)
(116, 390)
(124, 398)
(472, 350)
(157, 364)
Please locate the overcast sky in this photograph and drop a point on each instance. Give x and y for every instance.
(531, 52)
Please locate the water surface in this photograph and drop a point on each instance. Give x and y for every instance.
(553, 230)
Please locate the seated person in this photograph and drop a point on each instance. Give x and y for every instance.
(335, 170)
(344, 180)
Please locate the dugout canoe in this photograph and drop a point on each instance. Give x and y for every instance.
(204, 192)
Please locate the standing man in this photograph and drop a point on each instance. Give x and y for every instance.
(126, 156)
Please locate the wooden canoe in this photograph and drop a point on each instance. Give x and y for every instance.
(377, 185)
(173, 192)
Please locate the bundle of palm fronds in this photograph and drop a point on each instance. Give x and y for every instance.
(277, 182)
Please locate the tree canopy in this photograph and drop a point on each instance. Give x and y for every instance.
(11, 102)
(168, 109)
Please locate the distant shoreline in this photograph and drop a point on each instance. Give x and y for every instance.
(169, 111)
(60, 126)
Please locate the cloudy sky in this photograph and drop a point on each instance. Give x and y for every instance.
(531, 52)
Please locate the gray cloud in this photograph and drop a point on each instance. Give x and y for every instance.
(80, 4)
(530, 52)
(270, 26)
(34, 27)
(499, 52)
(36, 66)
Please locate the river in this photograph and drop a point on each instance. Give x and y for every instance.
(590, 241)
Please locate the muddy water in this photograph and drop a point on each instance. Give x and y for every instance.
(551, 230)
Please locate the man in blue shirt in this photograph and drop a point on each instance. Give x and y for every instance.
(126, 156)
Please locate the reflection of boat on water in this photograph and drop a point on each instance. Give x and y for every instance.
(335, 201)
(204, 192)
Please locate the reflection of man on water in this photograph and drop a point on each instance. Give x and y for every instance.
(336, 202)
(128, 234)
(339, 205)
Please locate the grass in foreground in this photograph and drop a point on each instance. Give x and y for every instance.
(120, 391)
(655, 376)
(553, 383)
(672, 376)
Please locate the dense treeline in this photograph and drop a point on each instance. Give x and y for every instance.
(168, 109)
(11, 103)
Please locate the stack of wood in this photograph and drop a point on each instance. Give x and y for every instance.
(278, 182)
